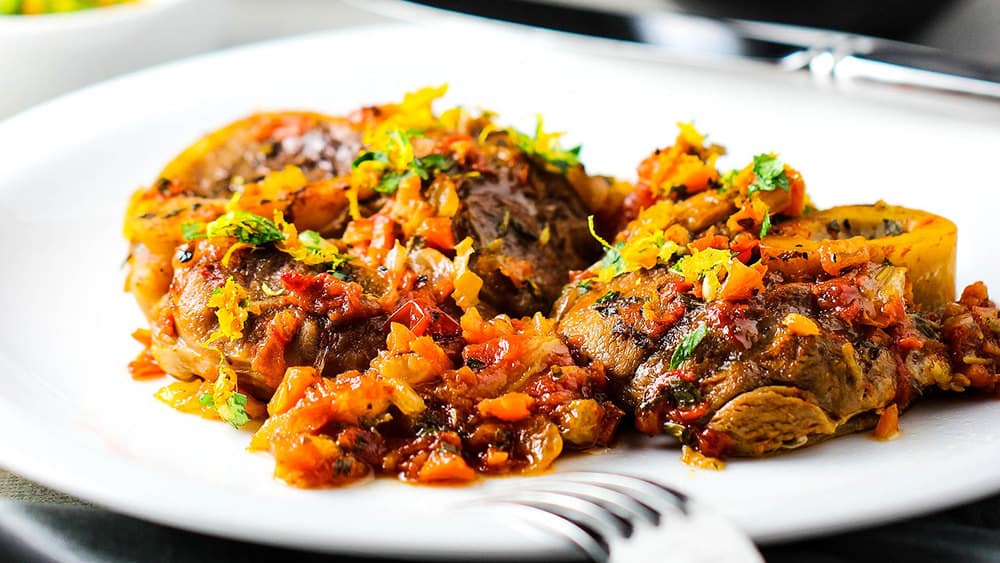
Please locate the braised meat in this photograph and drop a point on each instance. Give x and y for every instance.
(199, 182)
(376, 287)
(320, 146)
(301, 316)
(530, 225)
(340, 270)
(798, 362)
(758, 327)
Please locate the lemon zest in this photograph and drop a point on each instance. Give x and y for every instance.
(467, 283)
(232, 304)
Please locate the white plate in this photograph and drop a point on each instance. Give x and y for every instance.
(71, 417)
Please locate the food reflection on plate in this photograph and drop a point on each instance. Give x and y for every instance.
(38, 7)
(435, 295)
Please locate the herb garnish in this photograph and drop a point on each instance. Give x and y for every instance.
(765, 225)
(243, 226)
(397, 162)
(687, 345)
(605, 305)
(545, 146)
(770, 174)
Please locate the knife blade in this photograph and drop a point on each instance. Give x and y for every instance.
(832, 57)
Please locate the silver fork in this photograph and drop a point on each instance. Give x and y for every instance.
(614, 518)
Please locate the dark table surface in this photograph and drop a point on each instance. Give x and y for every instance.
(58, 532)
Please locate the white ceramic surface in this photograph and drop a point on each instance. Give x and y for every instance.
(45, 55)
(71, 418)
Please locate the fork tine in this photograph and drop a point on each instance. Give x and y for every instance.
(593, 548)
(656, 496)
(620, 504)
(584, 512)
(616, 518)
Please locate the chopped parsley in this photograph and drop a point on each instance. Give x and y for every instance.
(237, 403)
(687, 345)
(191, 231)
(545, 146)
(607, 298)
(727, 180)
(234, 413)
(605, 305)
(369, 156)
(243, 226)
(765, 225)
(583, 286)
(432, 162)
(770, 174)
(612, 264)
(313, 249)
(396, 162)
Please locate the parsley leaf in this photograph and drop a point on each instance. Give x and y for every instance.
(607, 298)
(369, 155)
(191, 231)
(545, 146)
(612, 261)
(684, 393)
(390, 182)
(727, 180)
(243, 226)
(607, 304)
(396, 162)
(435, 162)
(687, 345)
(237, 403)
(770, 173)
(765, 225)
(235, 412)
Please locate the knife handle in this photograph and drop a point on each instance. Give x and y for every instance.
(926, 69)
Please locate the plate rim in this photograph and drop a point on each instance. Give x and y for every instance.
(21, 461)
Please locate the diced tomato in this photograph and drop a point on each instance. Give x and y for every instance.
(510, 407)
(422, 317)
(292, 388)
(383, 232)
(437, 233)
(744, 244)
(743, 282)
(888, 423)
(713, 443)
(690, 415)
(507, 348)
(719, 242)
(324, 294)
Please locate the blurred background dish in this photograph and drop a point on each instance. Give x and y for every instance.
(39, 7)
(46, 55)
